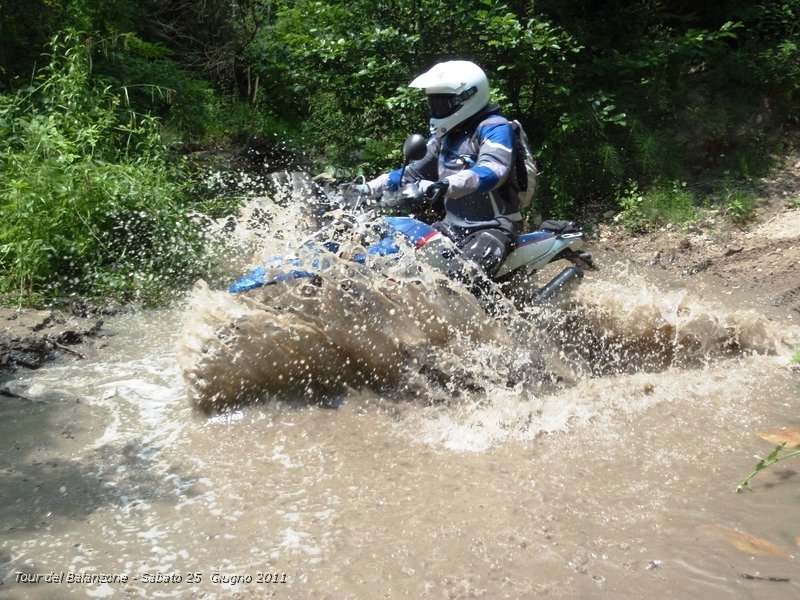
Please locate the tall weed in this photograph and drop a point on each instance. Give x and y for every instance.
(91, 203)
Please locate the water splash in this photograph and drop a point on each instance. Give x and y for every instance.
(626, 324)
(308, 339)
(400, 327)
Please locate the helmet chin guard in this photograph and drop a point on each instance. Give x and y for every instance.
(456, 90)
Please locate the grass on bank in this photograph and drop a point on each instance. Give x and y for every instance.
(674, 203)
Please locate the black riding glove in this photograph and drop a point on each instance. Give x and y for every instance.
(436, 193)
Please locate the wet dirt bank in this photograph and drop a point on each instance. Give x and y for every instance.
(29, 337)
(760, 257)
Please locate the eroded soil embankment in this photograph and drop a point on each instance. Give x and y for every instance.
(762, 257)
(29, 337)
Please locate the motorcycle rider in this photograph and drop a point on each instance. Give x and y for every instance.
(470, 159)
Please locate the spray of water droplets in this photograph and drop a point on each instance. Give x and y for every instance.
(400, 327)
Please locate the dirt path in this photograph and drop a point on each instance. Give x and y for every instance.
(763, 256)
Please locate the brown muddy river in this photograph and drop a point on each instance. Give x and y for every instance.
(593, 454)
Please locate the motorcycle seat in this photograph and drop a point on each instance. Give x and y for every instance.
(559, 227)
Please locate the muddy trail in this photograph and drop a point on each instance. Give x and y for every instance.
(397, 442)
(761, 257)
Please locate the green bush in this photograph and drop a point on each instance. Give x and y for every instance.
(91, 202)
(665, 203)
(645, 92)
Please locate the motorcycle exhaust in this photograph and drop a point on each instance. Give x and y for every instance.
(558, 283)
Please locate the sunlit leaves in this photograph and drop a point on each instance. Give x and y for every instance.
(91, 203)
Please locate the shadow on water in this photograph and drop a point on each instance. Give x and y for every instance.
(57, 469)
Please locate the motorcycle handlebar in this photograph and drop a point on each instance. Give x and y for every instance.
(352, 196)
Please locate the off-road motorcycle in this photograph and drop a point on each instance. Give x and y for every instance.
(553, 241)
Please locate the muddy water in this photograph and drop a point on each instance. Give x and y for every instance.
(604, 468)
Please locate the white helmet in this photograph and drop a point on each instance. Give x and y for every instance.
(456, 90)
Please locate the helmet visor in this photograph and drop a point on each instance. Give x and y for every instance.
(443, 105)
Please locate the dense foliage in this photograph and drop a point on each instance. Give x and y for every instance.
(639, 105)
(91, 203)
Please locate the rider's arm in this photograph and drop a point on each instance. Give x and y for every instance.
(494, 162)
(424, 168)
